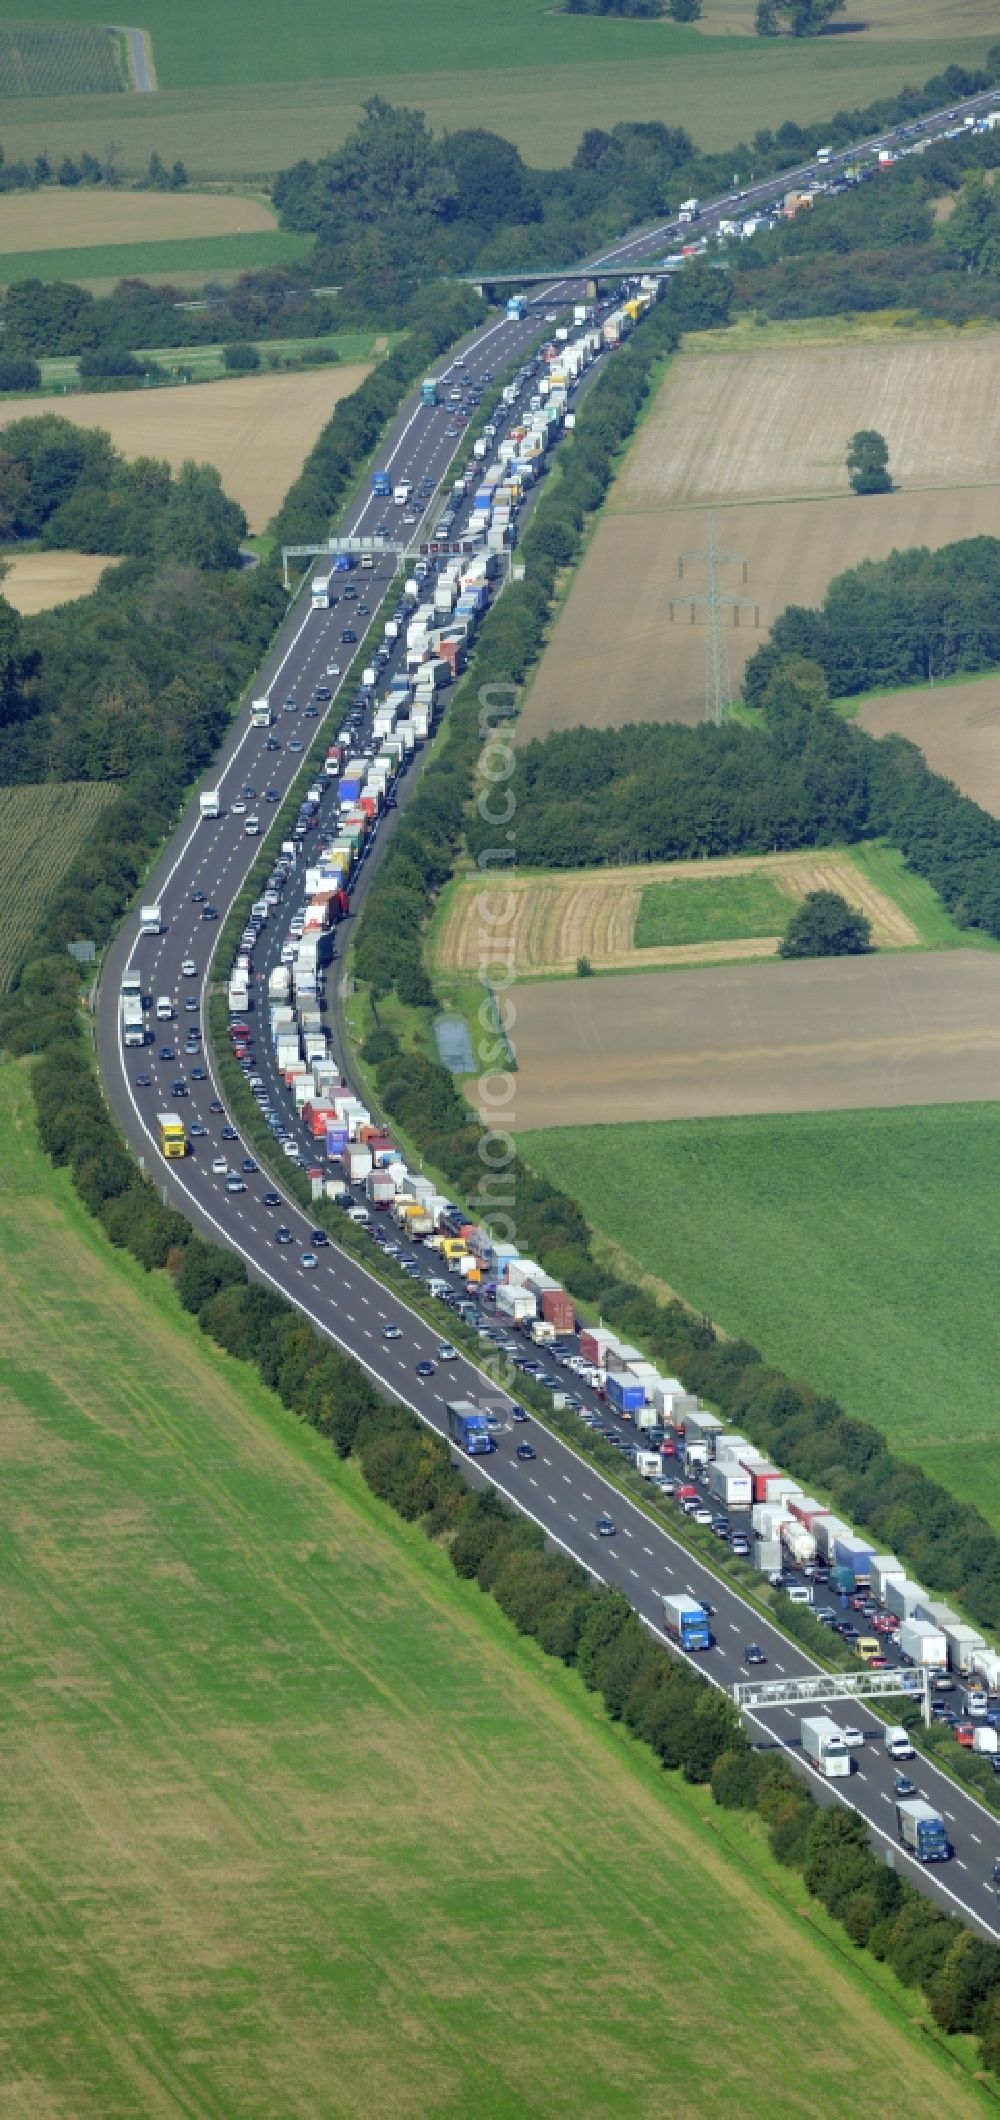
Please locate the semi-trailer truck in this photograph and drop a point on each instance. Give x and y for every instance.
(922, 1830)
(429, 390)
(824, 1743)
(173, 1139)
(261, 716)
(133, 1021)
(381, 485)
(320, 592)
(469, 1428)
(686, 1623)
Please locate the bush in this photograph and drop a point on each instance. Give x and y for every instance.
(242, 358)
(17, 372)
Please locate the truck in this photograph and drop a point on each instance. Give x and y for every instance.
(133, 1021)
(922, 1644)
(173, 1139)
(824, 154)
(381, 485)
(469, 1428)
(401, 493)
(897, 1742)
(320, 592)
(429, 390)
(210, 802)
(686, 1623)
(261, 716)
(922, 1830)
(151, 919)
(824, 1743)
(516, 306)
(688, 210)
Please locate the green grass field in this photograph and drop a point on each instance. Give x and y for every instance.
(41, 831)
(58, 59)
(857, 1249)
(721, 909)
(121, 261)
(291, 82)
(294, 1824)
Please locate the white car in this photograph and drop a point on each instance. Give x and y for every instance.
(234, 1183)
(239, 809)
(447, 1353)
(220, 1167)
(852, 1735)
(333, 669)
(704, 1516)
(189, 968)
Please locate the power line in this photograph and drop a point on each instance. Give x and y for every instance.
(717, 601)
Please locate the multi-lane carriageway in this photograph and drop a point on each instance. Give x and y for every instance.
(559, 1490)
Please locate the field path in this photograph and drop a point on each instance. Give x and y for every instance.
(139, 56)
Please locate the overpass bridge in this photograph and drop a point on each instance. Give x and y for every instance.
(589, 277)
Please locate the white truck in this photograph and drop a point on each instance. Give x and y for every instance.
(210, 802)
(151, 919)
(261, 716)
(688, 210)
(824, 1743)
(133, 1021)
(897, 1742)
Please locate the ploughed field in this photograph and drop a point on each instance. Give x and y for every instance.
(638, 918)
(839, 1034)
(278, 1786)
(856, 1249)
(257, 430)
(957, 727)
(757, 441)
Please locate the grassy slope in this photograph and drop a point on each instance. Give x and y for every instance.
(293, 1823)
(859, 1249)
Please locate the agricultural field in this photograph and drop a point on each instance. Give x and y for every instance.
(59, 58)
(256, 429)
(68, 220)
(292, 82)
(205, 257)
(41, 831)
(644, 916)
(272, 1772)
(957, 727)
(835, 1035)
(37, 581)
(749, 441)
(857, 1249)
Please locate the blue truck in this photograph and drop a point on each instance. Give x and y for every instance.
(686, 1623)
(469, 1428)
(922, 1830)
(382, 485)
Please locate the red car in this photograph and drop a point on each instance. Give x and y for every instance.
(965, 1733)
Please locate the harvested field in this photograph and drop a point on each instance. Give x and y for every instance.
(541, 924)
(600, 674)
(777, 423)
(957, 727)
(841, 1035)
(64, 220)
(257, 429)
(36, 581)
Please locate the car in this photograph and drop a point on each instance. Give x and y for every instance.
(234, 1183)
(208, 912)
(291, 700)
(517, 1413)
(295, 744)
(196, 1127)
(249, 1165)
(215, 1105)
(283, 1235)
(270, 1199)
(350, 593)
(965, 1734)
(391, 1332)
(426, 1369)
(239, 809)
(199, 1074)
(273, 743)
(754, 1654)
(189, 968)
(852, 1735)
(333, 669)
(271, 795)
(903, 1786)
(323, 692)
(944, 1684)
(166, 1052)
(525, 1451)
(606, 1527)
(310, 713)
(701, 1516)
(316, 1236)
(308, 1259)
(143, 1082)
(220, 1167)
(228, 1133)
(348, 636)
(740, 1544)
(446, 1352)
(191, 1005)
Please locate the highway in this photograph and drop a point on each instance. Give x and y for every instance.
(560, 1489)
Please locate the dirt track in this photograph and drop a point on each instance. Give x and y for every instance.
(554, 919)
(841, 1035)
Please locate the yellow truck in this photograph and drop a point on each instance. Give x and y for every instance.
(173, 1137)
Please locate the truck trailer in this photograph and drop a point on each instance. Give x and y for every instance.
(922, 1830)
(686, 1623)
(824, 1743)
(468, 1427)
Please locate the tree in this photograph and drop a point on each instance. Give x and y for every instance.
(241, 358)
(584, 968)
(824, 925)
(868, 462)
(684, 10)
(68, 172)
(156, 178)
(801, 18)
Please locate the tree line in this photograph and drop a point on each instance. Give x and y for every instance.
(690, 1727)
(862, 784)
(65, 487)
(89, 169)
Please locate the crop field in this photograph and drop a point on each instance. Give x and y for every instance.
(58, 58)
(256, 429)
(657, 913)
(37, 581)
(857, 1249)
(271, 1773)
(835, 1035)
(204, 256)
(64, 220)
(957, 727)
(41, 831)
(292, 82)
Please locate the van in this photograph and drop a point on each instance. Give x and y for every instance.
(800, 1593)
(867, 1646)
(367, 562)
(897, 1742)
(164, 1009)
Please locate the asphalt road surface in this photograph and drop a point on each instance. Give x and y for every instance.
(559, 1489)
